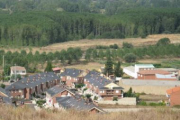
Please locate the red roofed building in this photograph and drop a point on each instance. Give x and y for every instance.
(155, 75)
(173, 95)
(57, 70)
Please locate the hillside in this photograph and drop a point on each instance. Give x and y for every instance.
(25, 113)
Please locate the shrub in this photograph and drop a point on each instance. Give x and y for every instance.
(88, 96)
(40, 102)
(115, 98)
(80, 85)
(95, 98)
(127, 45)
(130, 57)
(115, 46)
(2, 85)
(163, 41)
(142, 103)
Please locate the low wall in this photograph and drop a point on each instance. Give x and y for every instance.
(123, 101)
(147, 88)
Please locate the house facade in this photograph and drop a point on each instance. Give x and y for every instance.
(102, 87)
(18, 70)
(70, 77)
(173, 96)
(57, 91)
(33, 85)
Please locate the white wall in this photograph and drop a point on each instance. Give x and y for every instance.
(123, 101)
(130, 73)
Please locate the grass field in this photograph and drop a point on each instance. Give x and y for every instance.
(85, 43)
(25, 113)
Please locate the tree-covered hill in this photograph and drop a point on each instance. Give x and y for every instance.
(93, 6)
(39, 28)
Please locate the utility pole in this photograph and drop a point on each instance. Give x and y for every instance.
(15, 72)
(3, 69)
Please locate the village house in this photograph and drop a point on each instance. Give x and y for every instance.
(70, 77)
(33, 85)
(57, 91)
(102, 87)
(173, 96)
(77, 104)
(5, 96)
(18, 70)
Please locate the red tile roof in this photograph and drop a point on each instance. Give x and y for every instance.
(57, 68)
(150, 72)
(18, 68)
(172, 90)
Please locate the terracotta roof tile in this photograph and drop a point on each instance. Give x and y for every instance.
(18, 68)
(172, 90)
(143, 72)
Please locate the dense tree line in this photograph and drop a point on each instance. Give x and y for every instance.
(30, 60)
(43, 28)
(131, 54)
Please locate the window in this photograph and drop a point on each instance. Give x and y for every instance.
(117, 91)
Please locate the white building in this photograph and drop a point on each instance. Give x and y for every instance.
(133, 70)
(18, 70)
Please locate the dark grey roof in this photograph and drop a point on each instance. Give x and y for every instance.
(77, 104)
(4, 91)
(71, 72)
(57, 89)
(32, 81)
(95, 79)
(7, 100)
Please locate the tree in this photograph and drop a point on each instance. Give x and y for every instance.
(118, 72)
(163, 41)
(17, 77)
(130, 57)
(127, 45)
(48, 67)
(7, 70)
(109, 67)
(3, 86)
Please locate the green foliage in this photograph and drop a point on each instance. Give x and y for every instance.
(80, 85)
(17, 77)
(40, 102)
(157, 104)
(115, 46)
(7, 70)
(109, 67)
(115, 98)
(142, 103)
(95, 98)
(88, 96)
(163, 41)
(3, 86)
(118, 72)
(130, 57)
(127, 45)
(48, 67)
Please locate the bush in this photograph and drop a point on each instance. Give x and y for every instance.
(142, 103)
(115, 98)
(3, 86)
(130, 57)
(40, 102)
(115, 46)
(95, 98)
(157, 104)
(80, 85)
(163, 41)
(127, 45)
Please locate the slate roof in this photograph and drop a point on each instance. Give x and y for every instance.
(71, 72)
(95, 79)
(32, 81)
(6, 98)
(77, 104)
(57, 89)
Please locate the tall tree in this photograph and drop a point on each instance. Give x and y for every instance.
(109, 67)
(118, 72)
(48, 67)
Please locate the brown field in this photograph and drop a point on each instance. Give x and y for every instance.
(85, 43)
(25, 113)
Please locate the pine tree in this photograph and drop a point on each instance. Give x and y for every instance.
(48, 67)
(109, 67)
(118, 70)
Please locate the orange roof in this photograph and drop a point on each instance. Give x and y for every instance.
(18, 68)
(150, 72)
(57, 68)
(175, 89)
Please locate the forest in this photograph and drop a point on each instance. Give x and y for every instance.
(41, 28)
